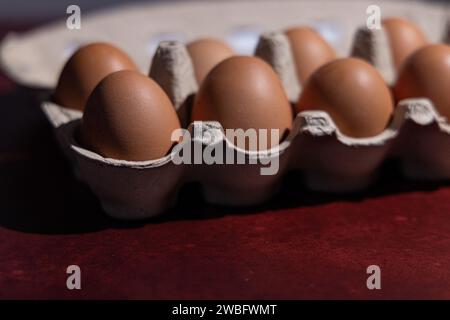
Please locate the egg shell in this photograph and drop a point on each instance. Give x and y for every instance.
(206, 54)
(353, 93)
(426, 74)
(310, 51)
(84, 70)
(244, 93)
(128, 116)
(405, 37)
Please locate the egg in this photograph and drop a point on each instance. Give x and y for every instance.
(353, 93)
(128, 117)
(310, 51)
(404, 38)
(84, 70)
(207, 53)
(426, 74)
(244, 93)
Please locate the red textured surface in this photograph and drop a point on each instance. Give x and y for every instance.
(300, 245)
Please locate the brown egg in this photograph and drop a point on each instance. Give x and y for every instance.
(244, 93)
(426, 74)
(404, 38)
(310, 51)
(84, 70)
(128, 117)
(353, 93)
(206, 54)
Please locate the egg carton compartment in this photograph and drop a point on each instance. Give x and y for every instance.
(424, 142)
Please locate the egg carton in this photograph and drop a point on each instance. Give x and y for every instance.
(329, 160)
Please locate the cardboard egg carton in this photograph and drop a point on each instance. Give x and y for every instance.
(329, 160)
